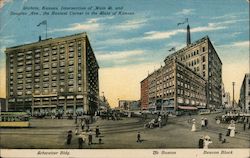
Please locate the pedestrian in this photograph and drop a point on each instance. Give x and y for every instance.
(97, 131)
(82, 125)
(244, 126)
(201, 142)
(76, 131)
(220, 136)
(138, 137)
(87, 128)
(159, 121)
(207, 141)
(76, 120)
(228, 130)
(206, 122)
(69, 137)
(90, 137)
(202, 122)
(193, 126)
(232, 132)
(80, 141)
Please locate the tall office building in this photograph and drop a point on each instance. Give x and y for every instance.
(144, 94)
(201, 59)
(53, 74)
(244, 102)
(174, 86)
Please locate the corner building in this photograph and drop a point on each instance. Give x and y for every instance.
(176, 87)
(201, 57)
(200, 69)
(53, 74)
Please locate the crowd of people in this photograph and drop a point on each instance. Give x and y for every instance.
(84, 133)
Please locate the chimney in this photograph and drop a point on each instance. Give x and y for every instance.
(40, 38)
(188, 35)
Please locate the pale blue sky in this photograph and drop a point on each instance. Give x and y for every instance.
(140, 39)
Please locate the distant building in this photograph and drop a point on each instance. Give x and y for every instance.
(226, 100)
(226, 103)
(129, 105)
(103, 104)
(58, 74)
(244, 102)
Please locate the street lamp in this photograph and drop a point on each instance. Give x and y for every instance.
(233, 93)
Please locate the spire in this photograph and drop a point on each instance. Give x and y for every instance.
(188, 35)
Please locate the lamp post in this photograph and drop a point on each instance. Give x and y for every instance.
(233, 93)
(118, 103)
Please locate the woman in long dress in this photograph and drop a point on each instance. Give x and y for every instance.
(202, 122)
(232, 132)
(193, 126)
(207, 141)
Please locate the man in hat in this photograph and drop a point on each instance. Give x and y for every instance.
(202, 122)
(80, 141)
(201, 142)
(206, 122)
(69, 137)
(90, 137)
(138, 138)
(97, 131)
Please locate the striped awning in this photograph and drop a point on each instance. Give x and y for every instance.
(187, 107)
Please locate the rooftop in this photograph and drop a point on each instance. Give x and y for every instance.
(47, 41)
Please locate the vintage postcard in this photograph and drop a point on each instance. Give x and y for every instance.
(151, 78)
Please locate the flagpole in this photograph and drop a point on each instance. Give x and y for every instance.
(46, 30)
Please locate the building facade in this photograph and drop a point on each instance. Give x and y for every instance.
(3, 104)
(129, 105)
(144, 94)
(58, 74)
(201, 57)
(244, 102)
(174, 86)
(226, 100)
(202, 62)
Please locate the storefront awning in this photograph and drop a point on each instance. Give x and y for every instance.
(187, 107)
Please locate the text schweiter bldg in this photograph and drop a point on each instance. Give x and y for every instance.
(53, 74)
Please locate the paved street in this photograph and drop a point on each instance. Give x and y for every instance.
(46, 133)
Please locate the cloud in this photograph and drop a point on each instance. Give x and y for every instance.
(131, 24)
(89, 25)
(120, 41)
(119, 55)
(5, 41)
(209, 27)
(241, 44)
(4, 2)
(155, 35)
(185, 12)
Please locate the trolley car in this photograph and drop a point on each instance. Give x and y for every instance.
(14, 119)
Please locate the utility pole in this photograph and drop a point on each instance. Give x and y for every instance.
(233, 93)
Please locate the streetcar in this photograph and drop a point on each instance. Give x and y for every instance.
(14, 119)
